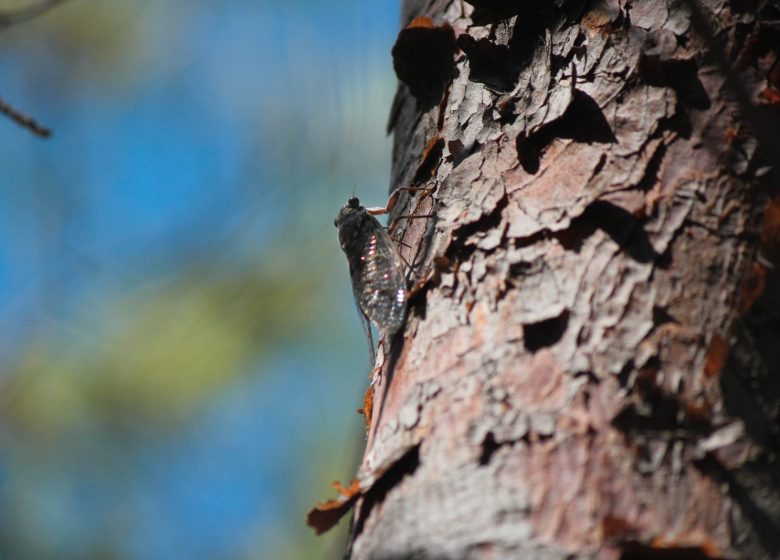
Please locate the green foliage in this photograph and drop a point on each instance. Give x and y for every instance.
(153, 357)
(106, 43)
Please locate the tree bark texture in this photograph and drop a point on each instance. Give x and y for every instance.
(590, 365)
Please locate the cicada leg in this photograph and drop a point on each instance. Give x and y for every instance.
(393, 200)
(391, 203)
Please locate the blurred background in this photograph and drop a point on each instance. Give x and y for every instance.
(181, 359)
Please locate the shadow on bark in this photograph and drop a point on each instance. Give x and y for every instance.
(583, 121)
(405, 466)
(750, 383)
(682, 76)
(745, 485)
(636, 551)
(619, 224)
(750, 380)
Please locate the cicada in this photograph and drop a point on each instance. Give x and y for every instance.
(375, 268)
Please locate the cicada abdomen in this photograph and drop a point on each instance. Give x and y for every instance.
(375, 268)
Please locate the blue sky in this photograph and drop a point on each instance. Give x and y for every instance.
(188, 135)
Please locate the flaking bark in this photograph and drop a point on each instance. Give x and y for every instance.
(590, 366)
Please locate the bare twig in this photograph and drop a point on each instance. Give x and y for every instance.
(23, 120)
(13, 17)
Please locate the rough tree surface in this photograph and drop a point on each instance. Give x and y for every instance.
(591, 367)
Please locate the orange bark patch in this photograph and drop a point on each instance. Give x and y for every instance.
(699, 410)
(770, 230)
(773, 79)
(612, 527)
(368, 407)
(716, 356)
(599, 19)
(770, 94)
(420, 21)
(347, 491)
(693, 542)
(751, 287)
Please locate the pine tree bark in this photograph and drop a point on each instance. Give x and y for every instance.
(590, 365)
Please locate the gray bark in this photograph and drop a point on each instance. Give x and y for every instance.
(590, 366)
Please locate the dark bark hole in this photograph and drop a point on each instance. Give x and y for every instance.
(430, 161)
(405, 466)
(650, 177)
(418, 305)
(657, 411)
(583, 121)
(459, 151)
(545, 333)
(626, 375)
(636, 551)
(489, 447)
(423, 59)
(661, 316)
(529, 153)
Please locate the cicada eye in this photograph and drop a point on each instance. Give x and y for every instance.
(336, 222)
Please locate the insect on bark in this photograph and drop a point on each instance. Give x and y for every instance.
(375, 268)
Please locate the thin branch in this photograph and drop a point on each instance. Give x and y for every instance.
(13, 17)
(23, 120)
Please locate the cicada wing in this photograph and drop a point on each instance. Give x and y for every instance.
(378, 281)
(367, 329)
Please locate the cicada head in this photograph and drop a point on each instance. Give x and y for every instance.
(354, 225)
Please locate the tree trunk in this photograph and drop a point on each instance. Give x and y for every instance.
(590, 365)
